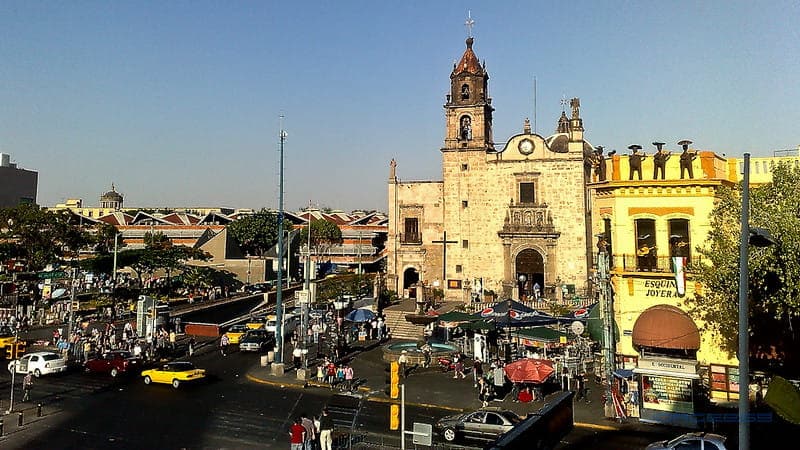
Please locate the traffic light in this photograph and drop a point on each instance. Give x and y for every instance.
(394, 417)
(394, 380)
(9, 351)
(20, 349)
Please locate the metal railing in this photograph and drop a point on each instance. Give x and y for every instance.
(650, 263)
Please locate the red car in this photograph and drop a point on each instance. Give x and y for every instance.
(114, 362)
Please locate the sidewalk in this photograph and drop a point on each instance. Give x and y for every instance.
(434, 389)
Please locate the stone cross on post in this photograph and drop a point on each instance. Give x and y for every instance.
(444, 243)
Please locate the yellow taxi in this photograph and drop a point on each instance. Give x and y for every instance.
(256, 323)
(236, 332)
(174, 373)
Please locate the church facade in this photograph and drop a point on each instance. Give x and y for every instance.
(509, 217)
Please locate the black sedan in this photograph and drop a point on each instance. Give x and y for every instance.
(256, 341)
(485, 424)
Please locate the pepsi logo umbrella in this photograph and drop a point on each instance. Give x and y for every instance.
(529, 370)
(360, 315)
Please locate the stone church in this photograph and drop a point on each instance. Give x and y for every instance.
(507, 217)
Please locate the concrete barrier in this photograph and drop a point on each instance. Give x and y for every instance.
(201, 329)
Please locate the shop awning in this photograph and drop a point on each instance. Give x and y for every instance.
(623, 373)
(540, 334)
(476, 325)
(456, 316)
(666, 373)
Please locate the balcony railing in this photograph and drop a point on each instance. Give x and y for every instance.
(411, 238)
(663, 264)
(528, 219)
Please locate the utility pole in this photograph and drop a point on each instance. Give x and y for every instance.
(307, 296)
(14, 371)
(279, 296)
(114, 273)
(608, 326)
(72, 303)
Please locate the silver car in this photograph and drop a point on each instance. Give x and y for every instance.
(484, 424)
(691, 441)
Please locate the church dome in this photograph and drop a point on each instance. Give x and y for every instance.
(558, 142)
(112, 196)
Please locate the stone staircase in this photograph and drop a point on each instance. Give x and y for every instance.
(400, 327)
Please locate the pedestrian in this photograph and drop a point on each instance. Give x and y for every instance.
(483, 392)
(326, 430)
(581, 379)
(459, 368)
(297, 356)
(173, 337)
(402, 361)
(191, 346)
(320, 373)
(426, 353)
(477, 371)
(331, 373)
(348, 377)
(27, 385)
(310, 436)
(565, 379)
(223, 344)
(297, 434)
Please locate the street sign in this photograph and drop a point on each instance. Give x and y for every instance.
(53, 274)
(422, 433)
(301, 296)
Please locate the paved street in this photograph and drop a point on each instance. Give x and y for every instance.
(241, 406)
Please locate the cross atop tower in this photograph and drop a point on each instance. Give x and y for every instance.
(469, 23)
(563, 103)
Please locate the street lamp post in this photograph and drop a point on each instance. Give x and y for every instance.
(758, 237)
(279, 293)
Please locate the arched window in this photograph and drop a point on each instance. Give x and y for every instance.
(464, 92)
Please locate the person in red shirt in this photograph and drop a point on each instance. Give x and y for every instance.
(297, 434)
(525, 395)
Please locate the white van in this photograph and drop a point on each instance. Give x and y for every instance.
(289, 324)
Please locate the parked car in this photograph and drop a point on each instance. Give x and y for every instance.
(236, 332)
(484, 424)
(695, 440)
(175, 373)
(258, 288)
(40, 363)
(114, 363)
(257, 341)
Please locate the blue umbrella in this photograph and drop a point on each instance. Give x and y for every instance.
(360, 315)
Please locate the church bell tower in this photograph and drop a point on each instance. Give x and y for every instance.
(468, 110)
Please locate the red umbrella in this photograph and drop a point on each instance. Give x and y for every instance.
(529, 370)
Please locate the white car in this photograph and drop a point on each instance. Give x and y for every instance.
(40, 363)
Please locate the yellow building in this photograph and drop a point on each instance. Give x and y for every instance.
(650, 222)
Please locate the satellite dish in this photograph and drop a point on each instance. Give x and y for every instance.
(577, 327)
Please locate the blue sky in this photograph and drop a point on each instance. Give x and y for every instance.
(178, 102)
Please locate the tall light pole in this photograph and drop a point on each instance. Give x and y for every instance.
(279, 296)
(758, 237)
(307, 288)
(744, 337)
(114, 273)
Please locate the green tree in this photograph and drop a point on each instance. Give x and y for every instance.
(774, 272)
(257, 233)
(103, 236)
(43, 237)
(324, 235)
